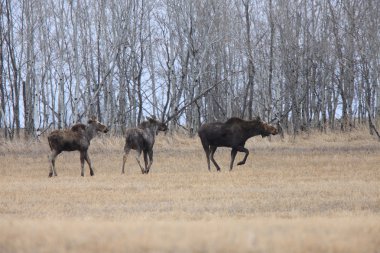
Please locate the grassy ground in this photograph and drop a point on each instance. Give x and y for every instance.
(318, 193)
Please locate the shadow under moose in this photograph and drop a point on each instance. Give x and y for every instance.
(233, 134)
(77, 138)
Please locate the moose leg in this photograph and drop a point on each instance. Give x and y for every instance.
(207, 152)
(150, 154)
(52, 157)
(233, 155)
(87, 158)
(125, 156)
(138, 161)
(213, 149)
(146, 161)
(82, 157)
(243, 149)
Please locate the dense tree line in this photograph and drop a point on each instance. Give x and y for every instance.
(307, 63)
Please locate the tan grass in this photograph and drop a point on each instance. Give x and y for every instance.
(318, 193)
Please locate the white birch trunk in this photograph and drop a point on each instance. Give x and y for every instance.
(61, 88)
(76, 57)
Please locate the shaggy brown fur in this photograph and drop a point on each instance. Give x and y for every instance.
(142, 139)
(77, 138)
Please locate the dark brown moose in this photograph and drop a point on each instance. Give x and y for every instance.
(78, 138)
(233, 133)
(142, 139)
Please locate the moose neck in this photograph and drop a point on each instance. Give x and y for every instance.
(90, 132)
(152, 129)
(252, 128)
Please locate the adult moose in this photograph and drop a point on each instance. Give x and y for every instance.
(233, 133)
(78, 137)
(142, 139)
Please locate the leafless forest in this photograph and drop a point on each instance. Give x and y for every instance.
(309, 64)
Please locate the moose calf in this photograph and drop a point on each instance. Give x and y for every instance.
(77, 138)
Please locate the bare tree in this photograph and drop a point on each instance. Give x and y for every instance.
(311, 64)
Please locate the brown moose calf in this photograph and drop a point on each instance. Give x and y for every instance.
(77, 138)
(142, 139)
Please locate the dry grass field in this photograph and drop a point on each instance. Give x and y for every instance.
(318, 193)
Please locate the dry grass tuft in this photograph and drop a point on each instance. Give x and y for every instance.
(317, 193)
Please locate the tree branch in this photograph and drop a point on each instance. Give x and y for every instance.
(204, 92)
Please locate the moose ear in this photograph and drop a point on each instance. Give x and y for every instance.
(151, 118)
(92, 119)
(258, 118)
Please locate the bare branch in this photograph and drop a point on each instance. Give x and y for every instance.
(203, 93)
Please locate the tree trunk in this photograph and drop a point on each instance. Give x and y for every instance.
(2, 85)
(251, 66)
(75, 23)
(271, 59)
(28, 86)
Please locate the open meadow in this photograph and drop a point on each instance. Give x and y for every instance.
(318, 193)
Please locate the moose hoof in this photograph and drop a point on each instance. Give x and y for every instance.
(240, 163)
(51, 174)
